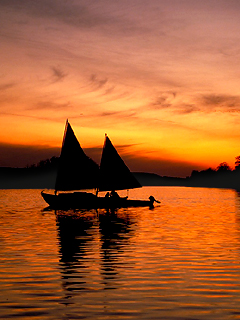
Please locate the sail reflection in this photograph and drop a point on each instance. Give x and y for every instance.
(80, 262)
(116, 228)
(74, 234)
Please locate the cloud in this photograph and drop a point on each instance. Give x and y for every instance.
(80, 14)
(143, 163)
(118, 116)
(167, 101)
(96, 82)
(187, 109)
(105, 88)
(109, 113)
(163, 100)
(96, 152)
(57, 118)
(60, 10)
(161, 166)
(101, 84)
(161, 103)
(205, 103)
(7, 95)
(5, 86)
(15, 155)
(58, 74)
(216, 102)
(49, 105)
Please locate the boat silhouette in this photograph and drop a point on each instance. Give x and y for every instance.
(77, 171)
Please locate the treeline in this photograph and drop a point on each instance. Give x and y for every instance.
(221, 177)
(43, 175)
(47, 164)
(36, 176)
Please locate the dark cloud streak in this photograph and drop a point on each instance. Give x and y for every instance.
(80, 14)
(96, 82)
(58, 74)
(55, 119)
(6, 86)
(187, 109)
(13, 155)
(215, 102)
(49, 105)
(141, 163)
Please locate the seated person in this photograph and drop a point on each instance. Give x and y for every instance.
(114, 195)
(107, 195)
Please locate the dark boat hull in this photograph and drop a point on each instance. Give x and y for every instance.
(84, 200)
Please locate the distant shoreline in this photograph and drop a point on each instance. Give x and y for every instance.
(42, 178)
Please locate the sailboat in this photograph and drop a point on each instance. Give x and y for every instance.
(77, 171)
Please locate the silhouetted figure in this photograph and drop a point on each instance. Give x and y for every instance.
(152, 199)
(107, 195)
(114, 195)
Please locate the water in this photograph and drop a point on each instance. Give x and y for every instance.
(180, 260)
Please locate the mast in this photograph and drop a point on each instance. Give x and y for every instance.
(64, 136)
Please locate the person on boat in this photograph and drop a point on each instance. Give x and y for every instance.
(107, 195)
(152, 199)
(114, 195)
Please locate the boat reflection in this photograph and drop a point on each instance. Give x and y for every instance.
(116, 228)
(74, 234)
(91, 248)
(73, 231)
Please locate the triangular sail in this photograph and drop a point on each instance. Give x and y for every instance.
(114, 174)
(76, 170)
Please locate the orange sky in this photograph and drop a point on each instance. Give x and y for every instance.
(162, 78)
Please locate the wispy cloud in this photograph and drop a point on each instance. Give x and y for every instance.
(77, 14)
(109, 113)
(105, 88)
(163, 101)
(50, 105)
(57, 118)
(216, 102)
(96, 82)
(5, 86)
(187, 109)
(58, 74)
(205, 103)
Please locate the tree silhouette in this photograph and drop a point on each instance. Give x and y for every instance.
(237, 163)
(223, 167)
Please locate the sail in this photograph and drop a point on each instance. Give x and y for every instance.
(114, 174)
(76, 170)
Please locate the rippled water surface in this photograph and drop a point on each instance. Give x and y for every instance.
(180, 260)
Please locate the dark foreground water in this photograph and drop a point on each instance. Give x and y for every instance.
(180, 260)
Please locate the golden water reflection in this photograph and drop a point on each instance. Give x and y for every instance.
(177, 261)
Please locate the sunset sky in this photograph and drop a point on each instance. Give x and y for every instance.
(161, 78)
